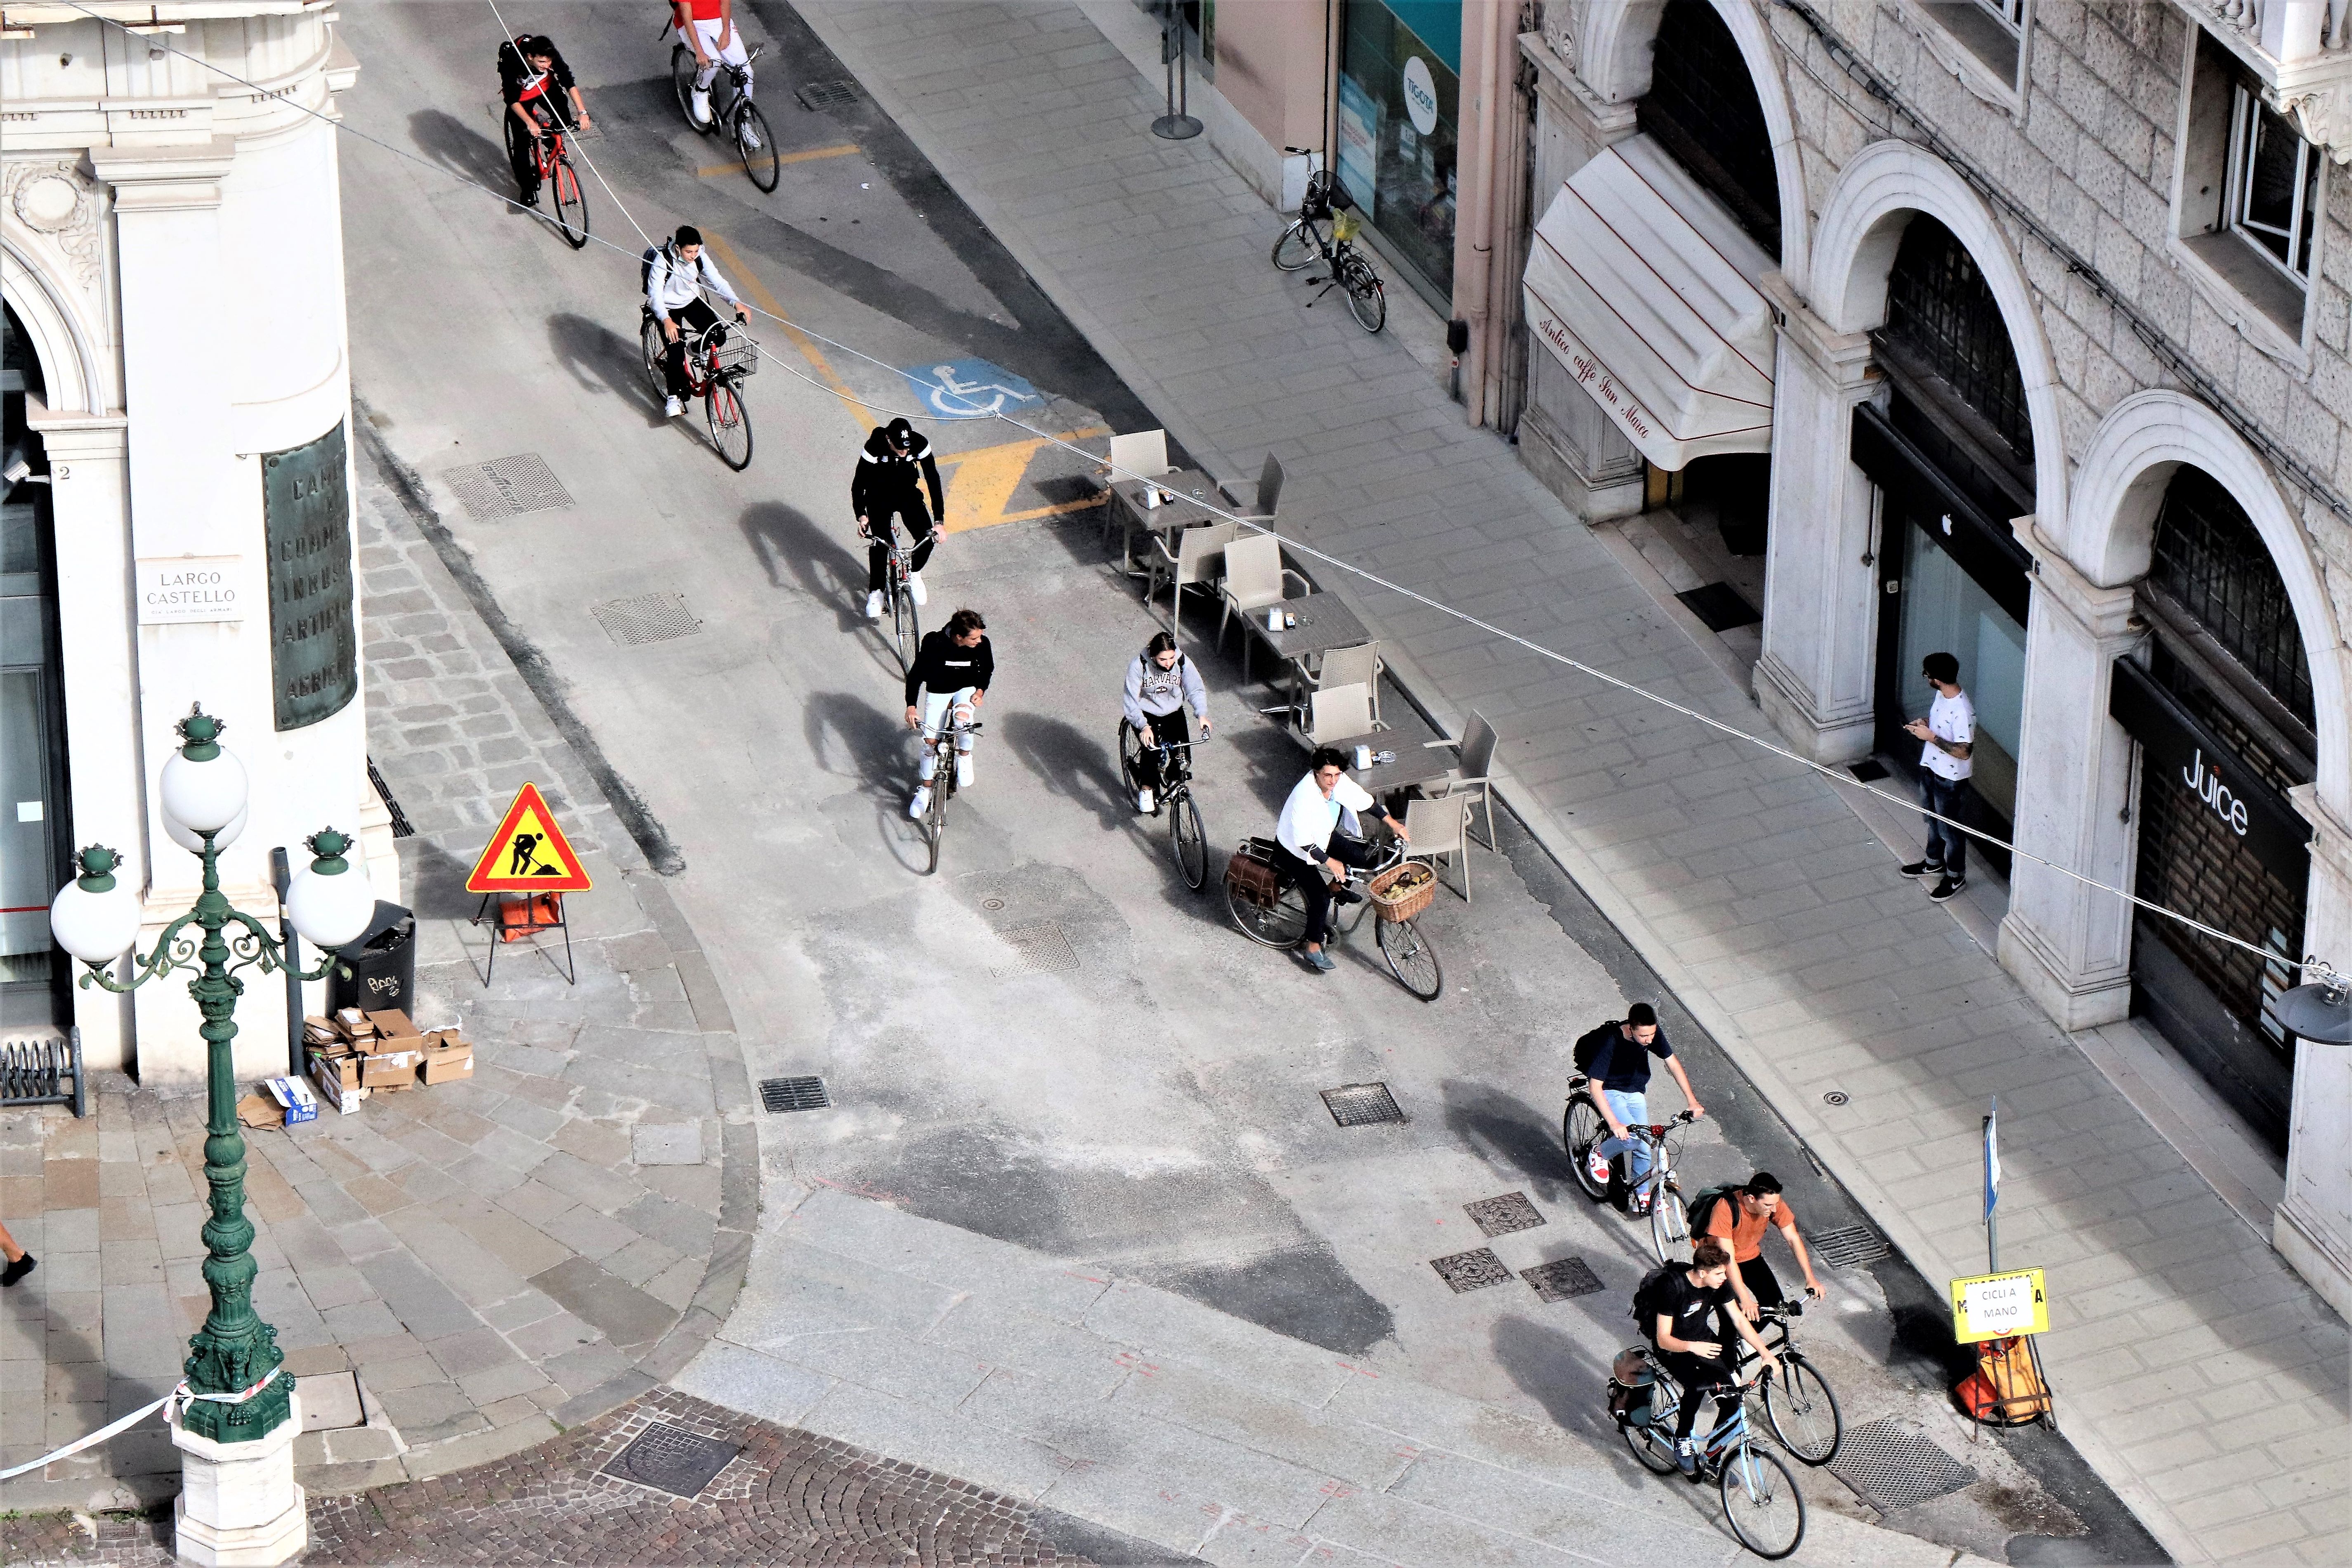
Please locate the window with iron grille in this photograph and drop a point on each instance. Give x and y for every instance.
(1702, 108)
(1940, 309)
(2212, 562)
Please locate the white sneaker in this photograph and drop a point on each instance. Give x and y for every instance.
(751, 140)
(915, 588)
(1144, 801)
(702, 106)
(963, 771)
(874, 605)
(920, 804)
(672, 408)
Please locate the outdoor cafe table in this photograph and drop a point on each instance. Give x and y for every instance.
(1323, 623)
(1187, 489)
(1415, 763)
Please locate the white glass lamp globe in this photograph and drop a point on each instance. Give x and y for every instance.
(189, 840)
(330, 902)
(204, 786)
(94, 916)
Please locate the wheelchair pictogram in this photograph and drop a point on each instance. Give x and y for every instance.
(968, 388)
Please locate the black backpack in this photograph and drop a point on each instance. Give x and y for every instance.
(1588, 1047)
(645, 269)
(1702, 1208)
(1650, 1299)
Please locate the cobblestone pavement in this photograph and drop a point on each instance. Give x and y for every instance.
(782, 1497)
(2203, 1378)
(497, 1258)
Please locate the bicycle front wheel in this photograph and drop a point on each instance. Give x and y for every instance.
(762, 159)
(1284, 925)
(729, 422)
(681, 81)
(935, 819)
(1295, 249)
(1411, 958)
(1367, 301)
(571, 205)
(1762, 1502)
(905, 626)
(1580, 1129)
(1803, 1412)
(1669, 1224)
(1187, 843)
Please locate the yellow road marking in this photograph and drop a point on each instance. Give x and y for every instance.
(986, 478)
(814, 153)
(799, 340)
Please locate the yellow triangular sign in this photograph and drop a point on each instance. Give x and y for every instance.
(528, 854)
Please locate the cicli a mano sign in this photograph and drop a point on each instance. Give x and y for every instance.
(2179, 752)
(178, 589)
(314, 624)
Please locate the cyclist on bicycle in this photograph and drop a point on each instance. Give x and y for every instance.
(676, 275)
(1616, 1057)
(1160, 684)
(708, 28)
(1676, 1305)
(540, 94)
(1739, 1220)
(1318, 803)
(951, 670)
(893, 470)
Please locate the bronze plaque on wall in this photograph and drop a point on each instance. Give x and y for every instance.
(313, 620)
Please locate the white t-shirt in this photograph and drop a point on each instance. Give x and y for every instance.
(1308, 818)
(1953, 719)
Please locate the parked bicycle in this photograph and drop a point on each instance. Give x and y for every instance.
(906, 619)
(1762, 1501)
(1802, 1412)
(943, 783)
(1582, 1126)
(551, 152)
(717, 362)
(1186, 840)
(1267, 908)
(737, 118)
(1325, 228)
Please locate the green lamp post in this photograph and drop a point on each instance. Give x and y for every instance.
(97, 920)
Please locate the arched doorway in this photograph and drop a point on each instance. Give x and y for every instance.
(35, 835)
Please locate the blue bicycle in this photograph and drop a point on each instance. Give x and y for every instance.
(1761, 1499)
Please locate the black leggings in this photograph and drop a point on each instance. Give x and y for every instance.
(1308, 879)
(521, 157)
(1698, 1375)
(1761, 1282)
(691, 318)
(878, 552)
(1165, 727)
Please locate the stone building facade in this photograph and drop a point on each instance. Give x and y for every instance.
(2016, 328)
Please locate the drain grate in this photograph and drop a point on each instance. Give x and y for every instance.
(1892, 1466)
(649, 617)
(1471, 1270)
(827, 94)
(671, 1459)
(507, 487)
(1500, 1216)
(1720, 605)
(1849, 1246)
(1870, 770)
(779, 1094)
(1362, 1104)
(1042, 948)
(1562, 1281)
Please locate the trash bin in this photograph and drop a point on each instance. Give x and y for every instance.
(383, 965)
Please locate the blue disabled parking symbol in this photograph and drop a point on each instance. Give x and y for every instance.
(967, 387)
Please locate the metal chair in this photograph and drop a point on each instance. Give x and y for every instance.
(1358, 665)
(1141, 455)
(1338, 713)
(1269, 490)
(1253, 580)
(1441, 826)
(1471, 779)
(1198, 559)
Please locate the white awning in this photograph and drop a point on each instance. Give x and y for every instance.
(1645, 290)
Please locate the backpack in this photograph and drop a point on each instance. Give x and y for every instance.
(1588, 1047)
(646, 269)
(1701, 1208)
(1649, 1299)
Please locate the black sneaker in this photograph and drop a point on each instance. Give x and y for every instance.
(1924, 869)
(1346, 896)
(1946, 888)
(18, 1270)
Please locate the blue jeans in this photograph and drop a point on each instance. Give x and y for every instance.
(1955, 798)
(1630, 1109)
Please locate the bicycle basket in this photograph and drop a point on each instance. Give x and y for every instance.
(738, 356)
(1347, 225)
(1250, 875)
(1403, 891)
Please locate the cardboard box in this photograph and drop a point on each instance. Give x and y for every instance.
(316, 1031)
(258, 1110)
(447, 1062)
(339, 1067)
(396, 1033)
(389, 1069)
(326, 1077)
(294, 1097)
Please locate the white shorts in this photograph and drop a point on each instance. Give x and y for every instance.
(732, 55)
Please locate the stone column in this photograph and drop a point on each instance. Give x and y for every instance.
(2068, 945)
(1816, 680)
(239, 1505)
(2313, 1230)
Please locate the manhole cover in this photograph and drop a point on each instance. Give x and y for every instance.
(1362, 1104)
(1848, 1246)
(1500, 1216)
(669, 1460)
(1835, 1097)
(794, 1094)
(649, 617)
(992, 905)
(1471, 1270)
(1892, 1467)
(1561, 1280)
(826, 94)
(507, 487)
(1040, 948)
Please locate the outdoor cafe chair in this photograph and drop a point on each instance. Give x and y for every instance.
(1198, 559)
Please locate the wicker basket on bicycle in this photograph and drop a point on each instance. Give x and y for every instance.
(1401, 893)
(738, 356)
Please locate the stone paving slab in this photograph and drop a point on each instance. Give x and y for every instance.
(1749, 888)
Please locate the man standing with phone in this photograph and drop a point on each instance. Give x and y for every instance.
(1949, 733)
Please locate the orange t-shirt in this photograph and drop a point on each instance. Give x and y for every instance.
(1743, 1231)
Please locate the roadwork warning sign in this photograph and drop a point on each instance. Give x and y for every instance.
(528, 854)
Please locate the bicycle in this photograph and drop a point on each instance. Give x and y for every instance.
(1186, 840)
(717, 362)
(552, 156)
(1581, 1126)
(1325, 228)
(1798, 1404)
(906, 620)
(945, 750)
(1267, 907)
(1762, 1501)
(740, 118)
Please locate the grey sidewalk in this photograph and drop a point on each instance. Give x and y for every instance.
(2199, 1376)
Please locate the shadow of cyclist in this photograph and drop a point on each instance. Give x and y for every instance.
(599, 358)
(1071, 764)
(462, 149)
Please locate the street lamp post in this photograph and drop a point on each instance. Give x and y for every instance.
(234, 1505)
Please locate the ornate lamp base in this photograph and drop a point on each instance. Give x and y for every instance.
(239, 1505)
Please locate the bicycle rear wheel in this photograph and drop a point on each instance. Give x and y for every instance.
(1803, 1412)
(1187, 842)
(681, 81)
(1669, 1224)
(1652, 1444)
(1411, 958)
(1284, 925)
(1580, 1129)
(570, 203)
(649, 338)
(1762, 1503)
(1295, 249)
(1130, 760)
(905, 626)
(729, 422)
(761, 161)
(1367, 301)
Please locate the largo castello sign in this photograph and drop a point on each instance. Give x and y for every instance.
(177, 589)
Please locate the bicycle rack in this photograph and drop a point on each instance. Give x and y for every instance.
(34, 1072)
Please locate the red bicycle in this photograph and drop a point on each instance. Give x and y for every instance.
(717, 362)
(552, 156)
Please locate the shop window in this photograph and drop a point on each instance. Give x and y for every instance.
(2248, 203)
(2211, 561)
(1944, 327)
(1702, 108)
(1399, 90)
